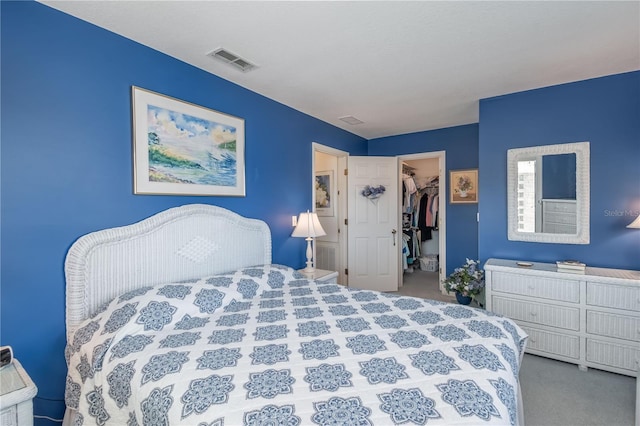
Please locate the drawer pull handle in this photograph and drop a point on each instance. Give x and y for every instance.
(530, 287)
(533, 314)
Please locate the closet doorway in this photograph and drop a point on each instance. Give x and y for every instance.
(423, 212)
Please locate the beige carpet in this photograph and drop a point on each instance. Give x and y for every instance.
(424, 285)
(554, 393)
(558, 393)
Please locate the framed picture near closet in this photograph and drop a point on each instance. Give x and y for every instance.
(463, 186)
(324, 193)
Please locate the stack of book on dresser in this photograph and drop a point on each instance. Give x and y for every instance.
(571, 266)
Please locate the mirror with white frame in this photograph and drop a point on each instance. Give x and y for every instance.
(548, 193)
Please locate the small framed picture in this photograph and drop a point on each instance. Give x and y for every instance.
(325, 193)
(464, 186)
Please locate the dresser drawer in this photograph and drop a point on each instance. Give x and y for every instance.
(559, 228)
(612, 325)
(9, 416)
(613, 296)
(552, 343)
(559, 206)
(543, 287)
(615, 355)
(18, 415)
(560, 218)
(538, 313)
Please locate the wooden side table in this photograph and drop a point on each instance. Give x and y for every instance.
(322, 275)
(16, 396)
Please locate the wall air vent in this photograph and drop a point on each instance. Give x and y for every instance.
(350, 119)
(232, 59)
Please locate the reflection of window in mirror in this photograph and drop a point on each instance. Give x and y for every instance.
(547, 189)
(527, 196)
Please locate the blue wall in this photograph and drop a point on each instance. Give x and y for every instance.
(461, 146)
(67, 164)
(604, 111)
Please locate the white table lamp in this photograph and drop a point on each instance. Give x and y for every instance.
(308, 227)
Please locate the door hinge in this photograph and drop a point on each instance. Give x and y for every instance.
(346, 222)
(346, 271)
(346, 172)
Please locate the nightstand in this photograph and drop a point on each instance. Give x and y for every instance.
(16, 396)
(322, 275)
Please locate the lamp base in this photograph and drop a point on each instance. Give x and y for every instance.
(309, 267)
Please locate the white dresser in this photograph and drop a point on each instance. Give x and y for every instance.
(591, 319)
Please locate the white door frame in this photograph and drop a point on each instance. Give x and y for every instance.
(341, 211)
(442, 213)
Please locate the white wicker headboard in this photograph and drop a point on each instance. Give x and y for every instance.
(180, 243)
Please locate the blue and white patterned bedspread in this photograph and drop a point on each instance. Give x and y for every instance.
(265, 346)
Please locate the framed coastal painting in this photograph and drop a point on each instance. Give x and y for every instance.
(324, 193)
(184, 149)
(464, 186)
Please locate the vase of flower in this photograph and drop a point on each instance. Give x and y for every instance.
(463, 194)
(466, 281)
(462, 299)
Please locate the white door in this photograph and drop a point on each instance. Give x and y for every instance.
(373, 236)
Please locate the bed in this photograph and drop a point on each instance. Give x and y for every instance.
(183, 319)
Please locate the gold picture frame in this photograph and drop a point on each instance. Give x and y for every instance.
(463, 186)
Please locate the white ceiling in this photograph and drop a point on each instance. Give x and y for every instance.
(400, 67)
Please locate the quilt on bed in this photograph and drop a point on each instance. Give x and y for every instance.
(265, 346)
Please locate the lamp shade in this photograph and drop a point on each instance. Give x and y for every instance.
(308, 226)
(635, 223)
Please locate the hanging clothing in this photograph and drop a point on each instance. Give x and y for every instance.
(420, 215)
(433, 210)
(405, 251)
(428, 213)
(408, 190)
(422, 219)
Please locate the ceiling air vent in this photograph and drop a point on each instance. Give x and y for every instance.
(350, 119)
(232, 59)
